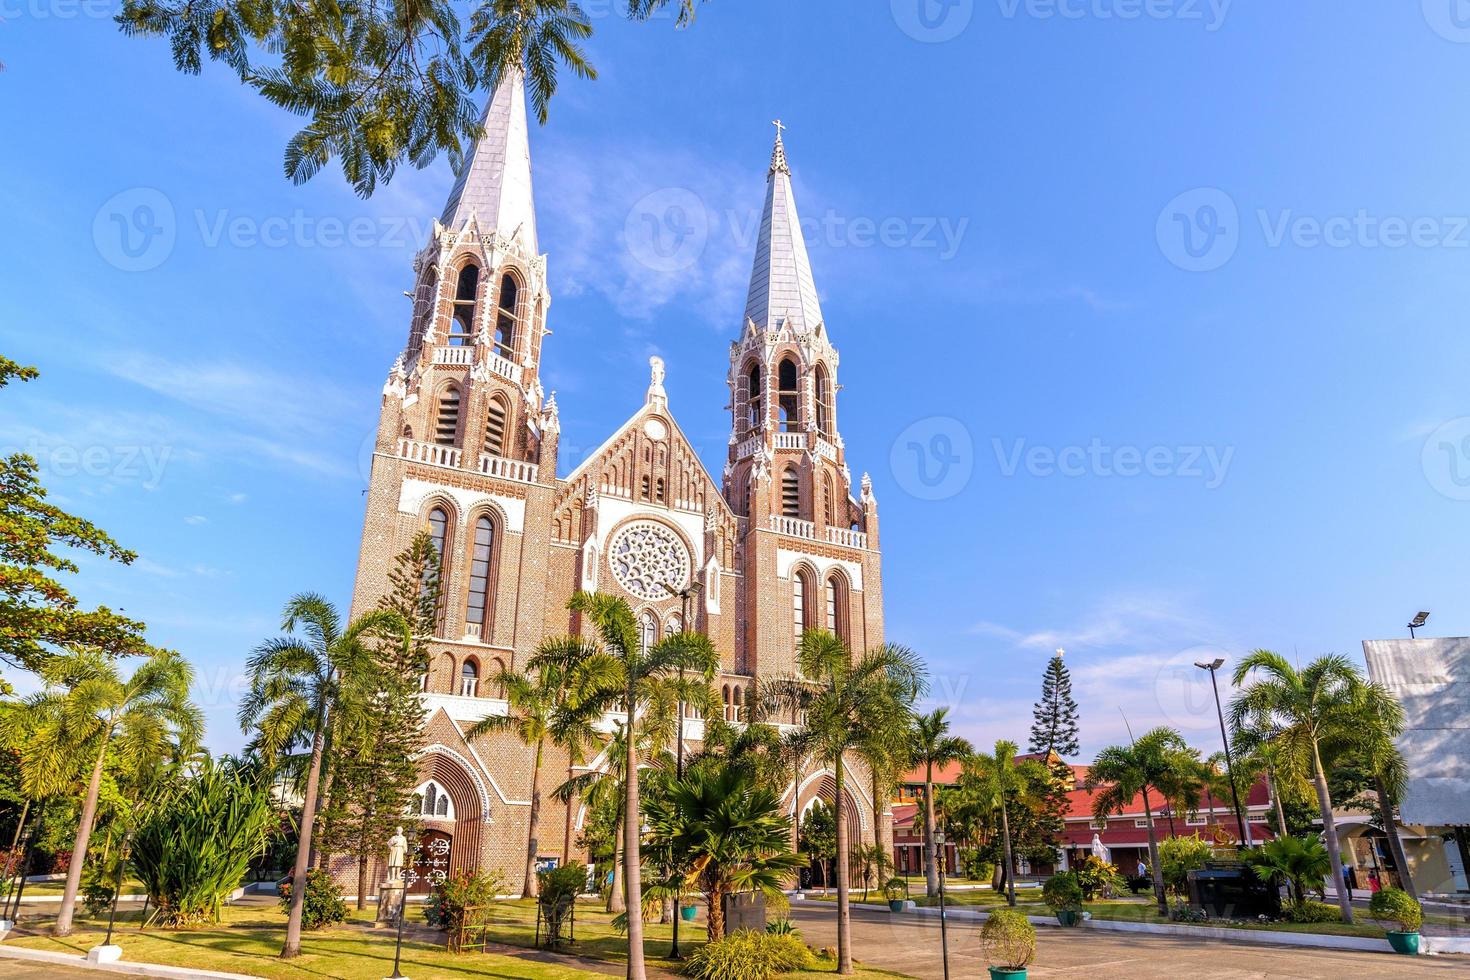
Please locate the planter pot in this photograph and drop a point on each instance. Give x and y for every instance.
(895, 905)
(1001, 973)
(1068, 917)
(1404, 942)
(688, 912)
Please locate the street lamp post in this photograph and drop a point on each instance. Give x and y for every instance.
(943, 922)
(685, 595)
(122, 863)
(1245, 828)
(398, 943)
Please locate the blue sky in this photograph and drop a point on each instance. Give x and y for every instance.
(1152, 317)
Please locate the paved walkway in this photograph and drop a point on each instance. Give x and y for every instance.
(910, 944)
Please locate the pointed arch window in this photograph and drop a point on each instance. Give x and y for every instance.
(824, 401)
(798, 607)
(469, 679)
(434, 801)
(439, 534)
(479, 610)
(495, 426)
(647, 631)
(753, 397)
(788, 396)
(505, 317)
(446, 420)
(462, 321)
(790, 493)
(836, 618)
(829, 501)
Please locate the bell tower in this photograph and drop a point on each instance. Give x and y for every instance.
(787, 474)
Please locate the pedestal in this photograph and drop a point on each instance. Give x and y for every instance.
(104, 954)
(390, 901)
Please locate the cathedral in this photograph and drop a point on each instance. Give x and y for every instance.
(467, 449)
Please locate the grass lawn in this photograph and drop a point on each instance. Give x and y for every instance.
(248, 941)
(131, 886)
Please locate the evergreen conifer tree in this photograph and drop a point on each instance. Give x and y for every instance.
(1055, 726)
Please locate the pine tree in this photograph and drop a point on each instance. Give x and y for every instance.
(1055, 726)
(375, 769)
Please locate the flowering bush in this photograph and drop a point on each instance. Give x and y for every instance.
(324, 905)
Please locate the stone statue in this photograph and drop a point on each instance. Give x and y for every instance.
(397, 853)
(1100, 850)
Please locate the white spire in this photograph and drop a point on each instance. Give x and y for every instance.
(781, 284)
(495, 183)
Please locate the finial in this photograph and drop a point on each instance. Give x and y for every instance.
(778, 154)
(1060, 651)
(656, 393)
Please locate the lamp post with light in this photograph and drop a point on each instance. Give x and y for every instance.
(1245, 828)
(685, 595)
(943, 923)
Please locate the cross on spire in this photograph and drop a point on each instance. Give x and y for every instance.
(778, 154)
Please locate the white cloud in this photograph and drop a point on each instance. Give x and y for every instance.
(196, 519)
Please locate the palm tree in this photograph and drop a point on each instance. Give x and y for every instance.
(998, 780)
(643, 672)
(1181, 782)
(932, 746)
(1302, 711)
(728, 835)
(87, 708)
(843, 699)
(1300, 862)
(550, 701)
(296, 683)
(1129, 771)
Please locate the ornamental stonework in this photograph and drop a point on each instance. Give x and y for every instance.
(645, 556)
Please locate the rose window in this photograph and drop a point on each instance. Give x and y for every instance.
(646, 556)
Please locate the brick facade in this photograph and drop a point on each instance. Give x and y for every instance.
(467, 447)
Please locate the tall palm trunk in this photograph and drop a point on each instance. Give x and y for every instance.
(844, 909)
(714, 914)
(1391, 829)
(303, 847)
(531, 886)
(1156, 872)
(1005, 829)
(1275, 792)
(632, 874)
(79, 849)
(566, 834)
(931, 867)
(1329, 831)
(615, 903)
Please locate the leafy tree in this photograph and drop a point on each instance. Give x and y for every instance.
(1129, 771)
(933, 745)
(1324, 708)
(380, 85)
(818, 839)
(191, 854)
(843, 699)
(729, 836)
(1054, 724)
(1000, 782)
(87, 709)
(39, 615)
(641, 675)
(1300, 862)
(296, 685)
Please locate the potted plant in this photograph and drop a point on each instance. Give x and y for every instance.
(897, 893)
(1062, 893)
(1393, 905)
(1009, 941)
(688, 912)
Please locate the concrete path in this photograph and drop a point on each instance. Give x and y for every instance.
(910, 944)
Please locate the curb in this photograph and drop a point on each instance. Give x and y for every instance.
(80, 962)
(1431, 944)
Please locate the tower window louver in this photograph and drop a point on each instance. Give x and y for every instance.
(446, 426)
(495, 428)
(790, 493)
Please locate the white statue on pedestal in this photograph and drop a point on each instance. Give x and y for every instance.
(397, 853)
(1100, 850)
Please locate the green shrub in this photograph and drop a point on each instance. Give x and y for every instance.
(1009, 939)
(896, 890)
(193, 852)
(324, 906)
(749, 955)
(782, 927)
(556, 893)
(96, 899)
(1062, 892)
(1309, 911)
(1182, 911)
(1098, 877)
(461, 904)
(1395, 907)
(1178, 856)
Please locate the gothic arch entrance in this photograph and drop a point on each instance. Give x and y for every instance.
(824, 788)
(451, 834)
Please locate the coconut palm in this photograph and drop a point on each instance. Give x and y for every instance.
(555, 699)
(843, 698)
(932, 746)
(997, 781)
(1126, 772)
(87, 709)
(1308, 713)
(672, 667)
(888, 754)
(728, 835)
(296, 683)
(1380, 720)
